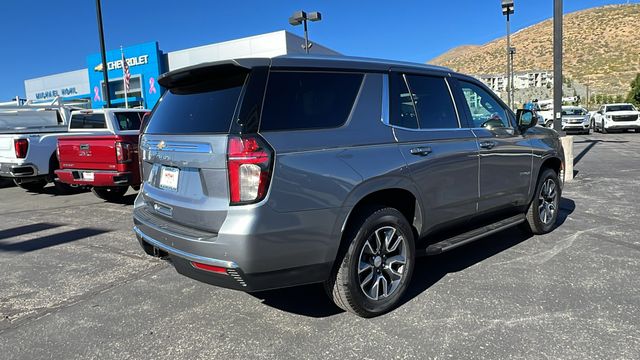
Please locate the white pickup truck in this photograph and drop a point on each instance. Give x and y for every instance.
(616, 117)
(21, 115)
(28, 156)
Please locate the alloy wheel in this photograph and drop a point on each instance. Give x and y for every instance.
(382, 261)
(548, 201)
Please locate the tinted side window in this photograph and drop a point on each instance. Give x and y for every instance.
(88, 121)
(402, 111)
(308, 100)
(203, 107)
(128, 120)
(433, 102)
(485, 110)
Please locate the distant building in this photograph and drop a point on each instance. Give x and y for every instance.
(521, 80)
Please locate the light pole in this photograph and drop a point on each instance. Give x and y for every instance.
(301, 17)
(106, 93)
(557, 65)
(507, 9)
(512, 53)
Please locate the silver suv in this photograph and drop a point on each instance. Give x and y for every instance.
(268, 173)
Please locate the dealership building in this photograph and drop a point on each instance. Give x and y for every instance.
(147, 61)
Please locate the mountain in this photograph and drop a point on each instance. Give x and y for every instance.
(601, 49)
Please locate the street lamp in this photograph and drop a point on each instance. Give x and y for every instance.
(106, 94)
(507, 10)
(557, 65)
(301, 17)
(512, 53)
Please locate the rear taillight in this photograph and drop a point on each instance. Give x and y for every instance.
(21, 146)
(249, 161)
(123, 152)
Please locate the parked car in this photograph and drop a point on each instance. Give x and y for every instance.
(107, 163)
(269, 173)
(28, 144)
(576, 119)
(616, 117)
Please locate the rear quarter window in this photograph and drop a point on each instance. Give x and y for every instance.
(308, 100)
(88, 121)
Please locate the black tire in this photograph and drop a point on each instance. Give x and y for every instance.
(536, 222)
(548, 124)
(347, 283)
(602, 128)
(111, 194)
(32, 186)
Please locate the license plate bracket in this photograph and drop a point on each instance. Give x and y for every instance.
(88, 176)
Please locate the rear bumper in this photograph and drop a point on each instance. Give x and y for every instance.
(100, 178)
(18, 170)
(233, 276)
(255, 261)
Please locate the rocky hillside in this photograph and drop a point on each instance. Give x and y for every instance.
(601, 48)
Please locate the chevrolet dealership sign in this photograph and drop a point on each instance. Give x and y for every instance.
(50, 94)
(132, 61)
(69, 84)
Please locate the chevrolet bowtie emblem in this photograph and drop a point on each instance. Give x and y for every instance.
(161, 145)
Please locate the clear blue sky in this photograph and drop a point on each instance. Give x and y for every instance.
(47, 37)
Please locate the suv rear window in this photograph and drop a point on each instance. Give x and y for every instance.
(202, 107)
(88, 121)
(308, 100)
(128, 120)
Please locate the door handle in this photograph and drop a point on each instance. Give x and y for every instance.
(421, 151)
(489, 144)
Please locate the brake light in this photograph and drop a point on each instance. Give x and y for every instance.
(123, 152)
(21, 147)
(249, 165)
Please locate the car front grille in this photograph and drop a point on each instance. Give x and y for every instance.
(624, 117)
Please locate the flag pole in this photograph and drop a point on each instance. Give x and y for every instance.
(124, 80)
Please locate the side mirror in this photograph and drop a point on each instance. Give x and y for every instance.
(526, 119)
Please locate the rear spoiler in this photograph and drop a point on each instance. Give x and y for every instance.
(187, 75)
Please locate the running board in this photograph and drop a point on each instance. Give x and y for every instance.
(473, 235)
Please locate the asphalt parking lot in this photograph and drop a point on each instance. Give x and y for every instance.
(75, 284)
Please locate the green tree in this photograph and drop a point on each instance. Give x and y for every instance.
(619, 98)
(634, 94)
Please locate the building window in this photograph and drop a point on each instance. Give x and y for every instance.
(116, 88)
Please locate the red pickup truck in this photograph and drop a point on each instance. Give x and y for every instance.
(106, 162)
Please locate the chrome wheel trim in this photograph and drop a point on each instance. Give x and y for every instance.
(387, 249)
(548, 202)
